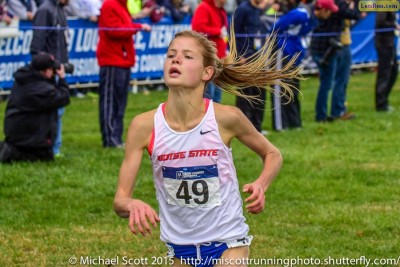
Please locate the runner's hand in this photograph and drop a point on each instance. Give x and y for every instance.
(140, 214)
(257, 198)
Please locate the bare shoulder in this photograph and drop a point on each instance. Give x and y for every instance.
(233, 123)
(140, 128)
(227, 116)
(144, 121)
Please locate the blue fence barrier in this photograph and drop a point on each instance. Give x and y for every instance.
(150, 47)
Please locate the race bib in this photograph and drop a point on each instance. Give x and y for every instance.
(192, 186)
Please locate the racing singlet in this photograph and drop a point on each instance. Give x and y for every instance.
(196, 184)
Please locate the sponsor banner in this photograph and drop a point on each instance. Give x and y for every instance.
(150, 48)
(83, 37)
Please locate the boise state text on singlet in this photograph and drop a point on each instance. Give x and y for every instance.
(189, 154)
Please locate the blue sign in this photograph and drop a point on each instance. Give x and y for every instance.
(150, 49)
(83, 36)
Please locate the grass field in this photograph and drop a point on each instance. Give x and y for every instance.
(338, 194)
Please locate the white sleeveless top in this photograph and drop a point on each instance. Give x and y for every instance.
(196, 184)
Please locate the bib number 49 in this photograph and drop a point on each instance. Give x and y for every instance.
(198, 192)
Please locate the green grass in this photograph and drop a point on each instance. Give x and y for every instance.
(337, 195)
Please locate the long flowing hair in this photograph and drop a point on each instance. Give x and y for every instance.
(259, 70)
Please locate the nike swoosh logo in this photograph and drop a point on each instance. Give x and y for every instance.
(202, 133)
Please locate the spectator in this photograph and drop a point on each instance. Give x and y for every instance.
(286, 5)
(210, 19)
(271, 7)
(192, 4)
(344, 61)
(248, 38)
(290, 29)
(134, 7)
(176, 9)
(388, 68)
(50, 15)
(84, 9)
(270, 13)
(4, 16)
(9, 26)
(52, 40)
(230, 7)
(30, 124)
(155, 11)
(23, 9)
(116, 55)
(325, 44)
(39, 2)
(137, 9)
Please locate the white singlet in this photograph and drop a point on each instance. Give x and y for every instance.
(196, 184)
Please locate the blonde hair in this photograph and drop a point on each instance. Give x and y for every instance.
(259, 70)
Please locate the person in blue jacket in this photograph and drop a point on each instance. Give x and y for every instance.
(290, 29)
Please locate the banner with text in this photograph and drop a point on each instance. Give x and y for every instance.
(150, 50)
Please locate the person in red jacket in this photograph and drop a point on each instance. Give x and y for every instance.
(115, 55)
(210, 19)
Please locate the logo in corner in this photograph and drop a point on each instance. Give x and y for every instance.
(379, 5)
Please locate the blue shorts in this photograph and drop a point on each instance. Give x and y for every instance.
(197, 255)
(206, 254)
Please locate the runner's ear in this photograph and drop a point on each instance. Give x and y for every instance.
(208, 73)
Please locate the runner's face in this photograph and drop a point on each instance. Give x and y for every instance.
(183, 66)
